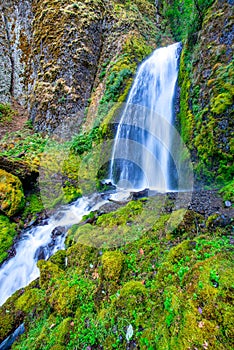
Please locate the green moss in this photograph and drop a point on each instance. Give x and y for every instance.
(112, 264)
(6, 113)
(227, 192)
(59, 259)
(121, 216)
(33, 206)
(220, 103)
(70, 293)
(185, 116)
(81, 256)
(12, 196)
(48, 271)
(7, 235)
(30, 301)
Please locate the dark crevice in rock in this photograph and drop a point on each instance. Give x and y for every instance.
(11, 90)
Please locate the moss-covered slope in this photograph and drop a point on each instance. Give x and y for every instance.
(170, 286)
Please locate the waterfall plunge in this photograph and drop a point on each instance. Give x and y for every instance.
(141, 154)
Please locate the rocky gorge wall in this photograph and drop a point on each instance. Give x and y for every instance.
(206, 96)
(52, 52)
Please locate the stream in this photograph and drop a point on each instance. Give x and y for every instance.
(38, 242)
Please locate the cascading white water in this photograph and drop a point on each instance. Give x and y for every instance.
(141, 154)
(20, 270)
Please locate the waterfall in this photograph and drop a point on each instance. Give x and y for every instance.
(141, 156)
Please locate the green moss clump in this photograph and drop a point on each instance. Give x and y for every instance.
(59, 259)
(30, 301)
(220, 103)
(6, 113)
(112, 264)
(48, 271)
(33, 206)
(81, 256)
(227, 192)
(12, 196)
(7, 235)
(69, 294)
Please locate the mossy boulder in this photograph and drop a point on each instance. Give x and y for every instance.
(10, 318)
(59, 259)
(48, 272)
(112, 264)
(11, 193)
(7, 234)
(32, 300)
(67, 295)
(82, 257)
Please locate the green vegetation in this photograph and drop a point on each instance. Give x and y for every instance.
(33, 206)
(227, 192)
(185, 17)
(205, 78)
(24, 146)
(161, 291)
(11, 194)
(6, 113)
(7, 235)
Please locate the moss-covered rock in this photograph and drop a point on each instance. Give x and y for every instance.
(59, 259)
(48, 272)
(112, 264)
(7, 235)
(206, 75)
(12, 196)
(83, 257)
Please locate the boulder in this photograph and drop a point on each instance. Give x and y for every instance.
(139, 194)
(11, 194)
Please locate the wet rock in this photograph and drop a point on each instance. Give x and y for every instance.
(228, 204)
(19, 168)
(11, 252)
(107, 186)
(222, 221)
(139, 194)
(41, 253)
(58, 231)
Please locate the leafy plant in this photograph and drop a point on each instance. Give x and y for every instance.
(6, 113)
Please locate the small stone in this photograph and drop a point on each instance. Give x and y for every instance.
(227, 204)
(129, 333)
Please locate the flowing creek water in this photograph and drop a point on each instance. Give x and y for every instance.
(38, 241)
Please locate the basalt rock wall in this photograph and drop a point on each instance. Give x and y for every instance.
(52, 50)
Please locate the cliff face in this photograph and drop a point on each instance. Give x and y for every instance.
(52, 51)
(206, 104)
(15, 39)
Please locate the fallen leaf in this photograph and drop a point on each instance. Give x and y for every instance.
(141, 251)
(95, 275)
